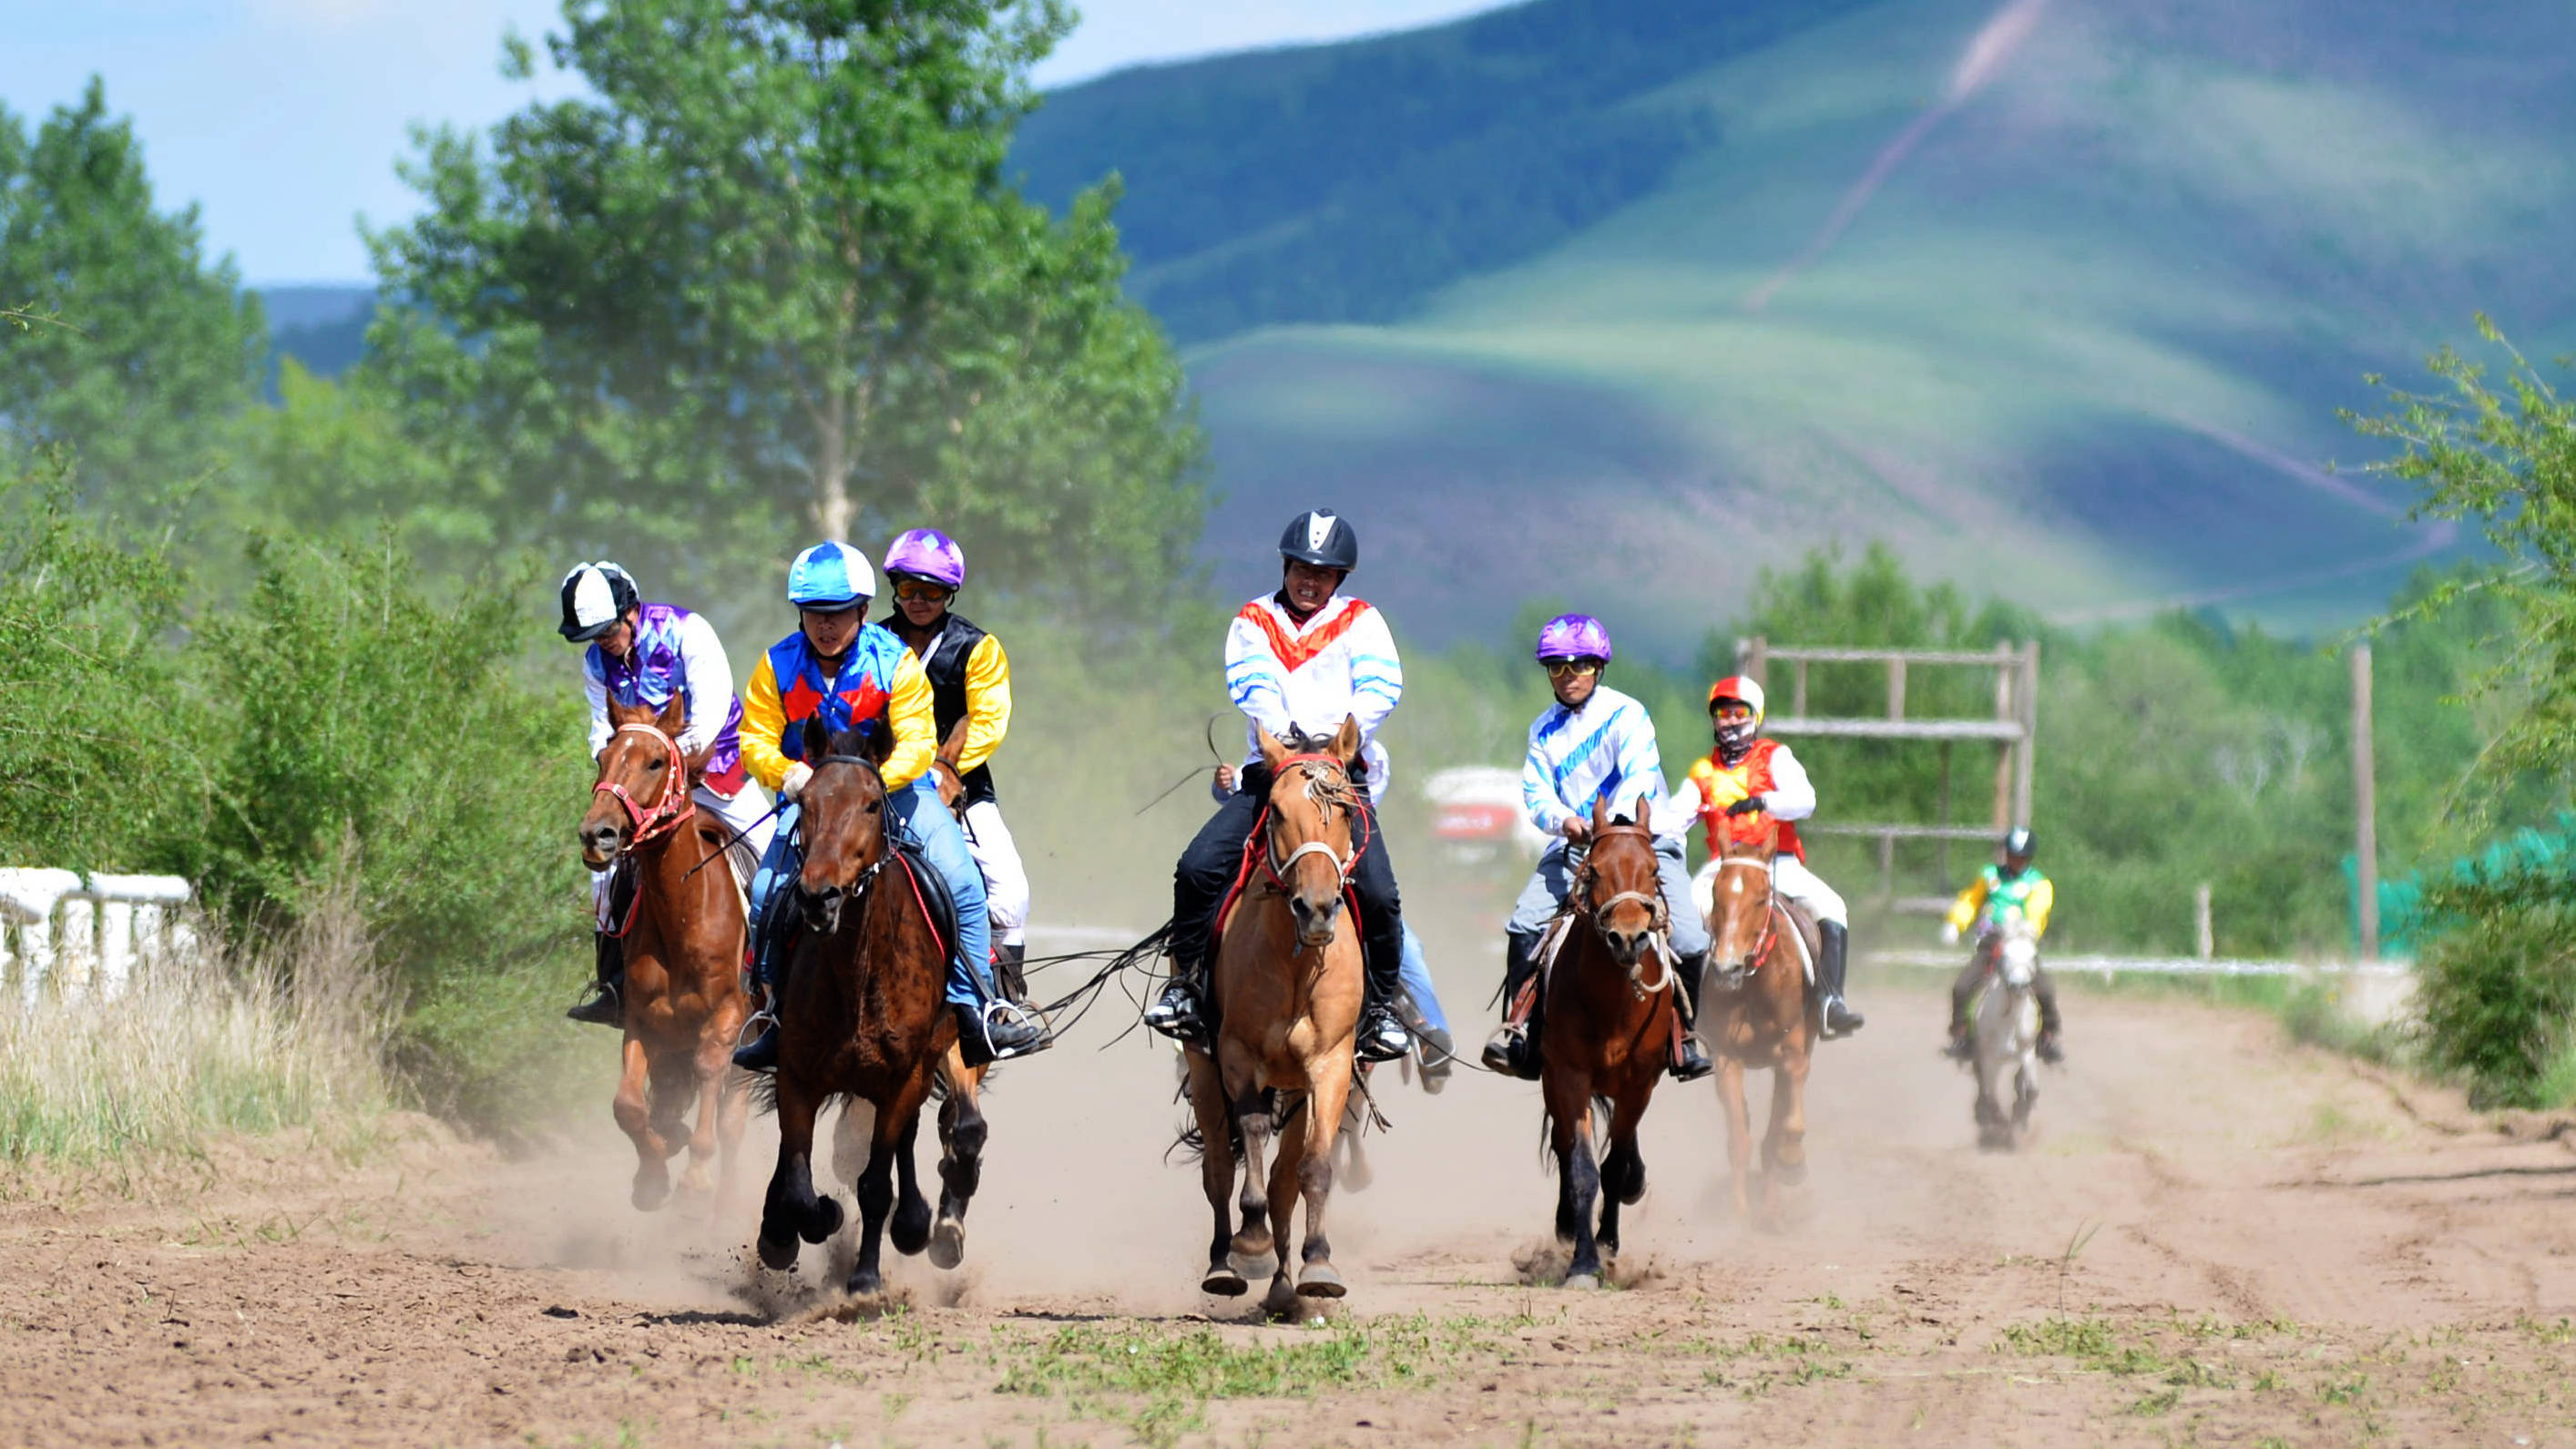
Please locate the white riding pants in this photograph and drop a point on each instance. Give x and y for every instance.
(1006, 881)
(1792, 879)
(741, 813)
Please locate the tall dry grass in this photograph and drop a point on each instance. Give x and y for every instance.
(263, 1036)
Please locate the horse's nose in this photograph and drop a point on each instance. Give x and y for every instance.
(1314, 920)
(599, 839)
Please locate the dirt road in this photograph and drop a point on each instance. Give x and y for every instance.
(2216, 1238)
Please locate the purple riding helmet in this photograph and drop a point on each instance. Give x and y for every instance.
(926, 553)
(1573, 636)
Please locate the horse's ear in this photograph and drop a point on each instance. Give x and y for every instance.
(1272, 752)
(1600, 812)
(675, 714)
(880, 741)
(1346, 741)
(1643, 812)
(953, 748)
(817, 740)
(621, 713)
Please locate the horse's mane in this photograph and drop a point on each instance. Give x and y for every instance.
(1328, 792)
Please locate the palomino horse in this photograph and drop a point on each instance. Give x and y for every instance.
(1286, 989)
(866, 1018)
(2008, 1033)
(961, 1085)
(683, 998)
(1606, 1032)
(1757, 1014)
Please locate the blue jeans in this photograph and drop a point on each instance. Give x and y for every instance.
(916, 811)
(1549, 883)
(1417, 982)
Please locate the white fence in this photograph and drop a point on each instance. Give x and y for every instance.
(80, 933)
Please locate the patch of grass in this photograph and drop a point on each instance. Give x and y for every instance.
(2090, 1341)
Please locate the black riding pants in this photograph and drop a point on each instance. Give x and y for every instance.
(1964, 989)
(1207, 867)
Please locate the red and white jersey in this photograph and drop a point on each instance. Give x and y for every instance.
(1341, 663)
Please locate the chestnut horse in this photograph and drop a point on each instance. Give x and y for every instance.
(866, 1018)
(1758, 1014)
(1286, 990)
(683, 1000)
(1606, 1033)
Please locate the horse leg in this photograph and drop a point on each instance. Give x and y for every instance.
(896, 1123)
(961, 1160)
(1256, 1239)
(1623, 1172)
(1310, 1144)
(792, 1211)
(1784, 1146)
(635, 1118)
(698, 1181)
(1582, 1175)
(911, 1210)
(1739, 1132)
(1282, 1206)
(733, 1116)
(1216, 1172)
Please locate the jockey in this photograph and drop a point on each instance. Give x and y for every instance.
(1593, 744)
(847, 672)
(1298, 661)
(970, 679)
(643, 654)
(2016, 885)
(1749, 775)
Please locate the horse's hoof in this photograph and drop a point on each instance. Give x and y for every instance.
(1251, 1243)
(825, 1221)
(1636, 1192)
(1584, 1282)
(864, 1284)
(947, 1243)
(777, 1254)
(1282, 1298)
(648, 1197)
(1253, 1265)
(910, 1231)
(1320, 1281)
(1790, 1174)
(1224, 1283)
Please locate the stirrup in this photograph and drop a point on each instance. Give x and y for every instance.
(1852, 1020)
(1690, 1062)
(1178, 1013)
(1004, 1029)
(606, 1007)
(760, 1054)
(1961, 1047)
(1382, 1038)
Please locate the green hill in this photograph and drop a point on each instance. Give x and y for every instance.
(2058, 299)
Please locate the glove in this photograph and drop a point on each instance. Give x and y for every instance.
(793, 787)
(1723, 790)
(1949, 933)
(1749, 805)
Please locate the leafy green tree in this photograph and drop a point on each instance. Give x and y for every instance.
(769, 276)
(131, 345)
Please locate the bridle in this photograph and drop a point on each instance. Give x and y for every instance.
(1339, 782)
(1769, 941)
(859, 883)
(1599, 914)
(677, 803)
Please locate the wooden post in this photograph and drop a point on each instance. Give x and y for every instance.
(1896, 688)
(1887, 865)
(2202, 938)
(1753, 659)
(1943, 848)
(2005, 667)
(2365, 806)
(1798, 688)
(2029, 732)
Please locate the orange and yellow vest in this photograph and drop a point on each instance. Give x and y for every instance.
(1751, 776)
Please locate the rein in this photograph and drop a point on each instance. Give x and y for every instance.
(677, 803)
(1768, 944)
(1278, 869)
(1653, 901)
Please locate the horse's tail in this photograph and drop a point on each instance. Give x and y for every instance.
(1189, 1141)
(1601, 1111)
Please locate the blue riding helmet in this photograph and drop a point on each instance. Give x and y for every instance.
(830, 575)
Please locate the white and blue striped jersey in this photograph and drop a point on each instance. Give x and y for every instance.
(1339, 664)
(1604, 750)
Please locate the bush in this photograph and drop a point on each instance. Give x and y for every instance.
(2496, 992)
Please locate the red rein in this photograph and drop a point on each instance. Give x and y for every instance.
(676, 804)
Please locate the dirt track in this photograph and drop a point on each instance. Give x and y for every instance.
(2281, 1248)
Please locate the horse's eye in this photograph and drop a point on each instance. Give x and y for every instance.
(658, 764)
(875, 805)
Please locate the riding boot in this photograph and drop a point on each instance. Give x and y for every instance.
(1690, 1058)
(1180, 1012)
(1008, 973)
(1835, 939)
(1513, 1048)
(606, 1006)
(770, 949)
(1382, 1034)
(2050, 1050)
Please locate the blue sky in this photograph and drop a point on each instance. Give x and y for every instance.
(282, 119)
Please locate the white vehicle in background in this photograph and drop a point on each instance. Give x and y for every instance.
(1479, 815)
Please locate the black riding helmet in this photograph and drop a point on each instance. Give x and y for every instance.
(1323, 538)
(595, 597)
(2019, 843)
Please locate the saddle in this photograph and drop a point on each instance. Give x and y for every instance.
(937, 904)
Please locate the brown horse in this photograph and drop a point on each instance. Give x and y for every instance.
(1606, 1034)
(684, 1004)
(1286, 988)
(866, 1019)
(1758, 1014)
(962, 1085)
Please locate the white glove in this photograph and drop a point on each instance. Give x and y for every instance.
(1949, 933)
(798, 773)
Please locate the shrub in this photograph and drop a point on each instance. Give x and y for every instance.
(2496, 992)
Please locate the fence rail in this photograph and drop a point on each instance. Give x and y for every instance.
(77, 932)
(1951, 960)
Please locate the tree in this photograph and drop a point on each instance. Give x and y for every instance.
(137, 345)
(772, 267)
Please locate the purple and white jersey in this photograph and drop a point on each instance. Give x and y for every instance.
(676, 652)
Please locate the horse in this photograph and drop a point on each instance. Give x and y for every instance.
(1606, 1032)
(1757, 1012)
(683, 999)
(867, 1019)
(2007, 1034)
(1286, 987)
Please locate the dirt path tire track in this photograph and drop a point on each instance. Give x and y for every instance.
(2279, 1245)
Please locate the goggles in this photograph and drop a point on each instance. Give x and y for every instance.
(922, 591)
(1566, 668)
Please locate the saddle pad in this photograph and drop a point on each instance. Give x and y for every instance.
(934, 895)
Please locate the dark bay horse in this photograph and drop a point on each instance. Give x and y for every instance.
(866, 1019)
(1286, 988)
(1758, 1013)
(684, 1003)
(1606, 1034)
